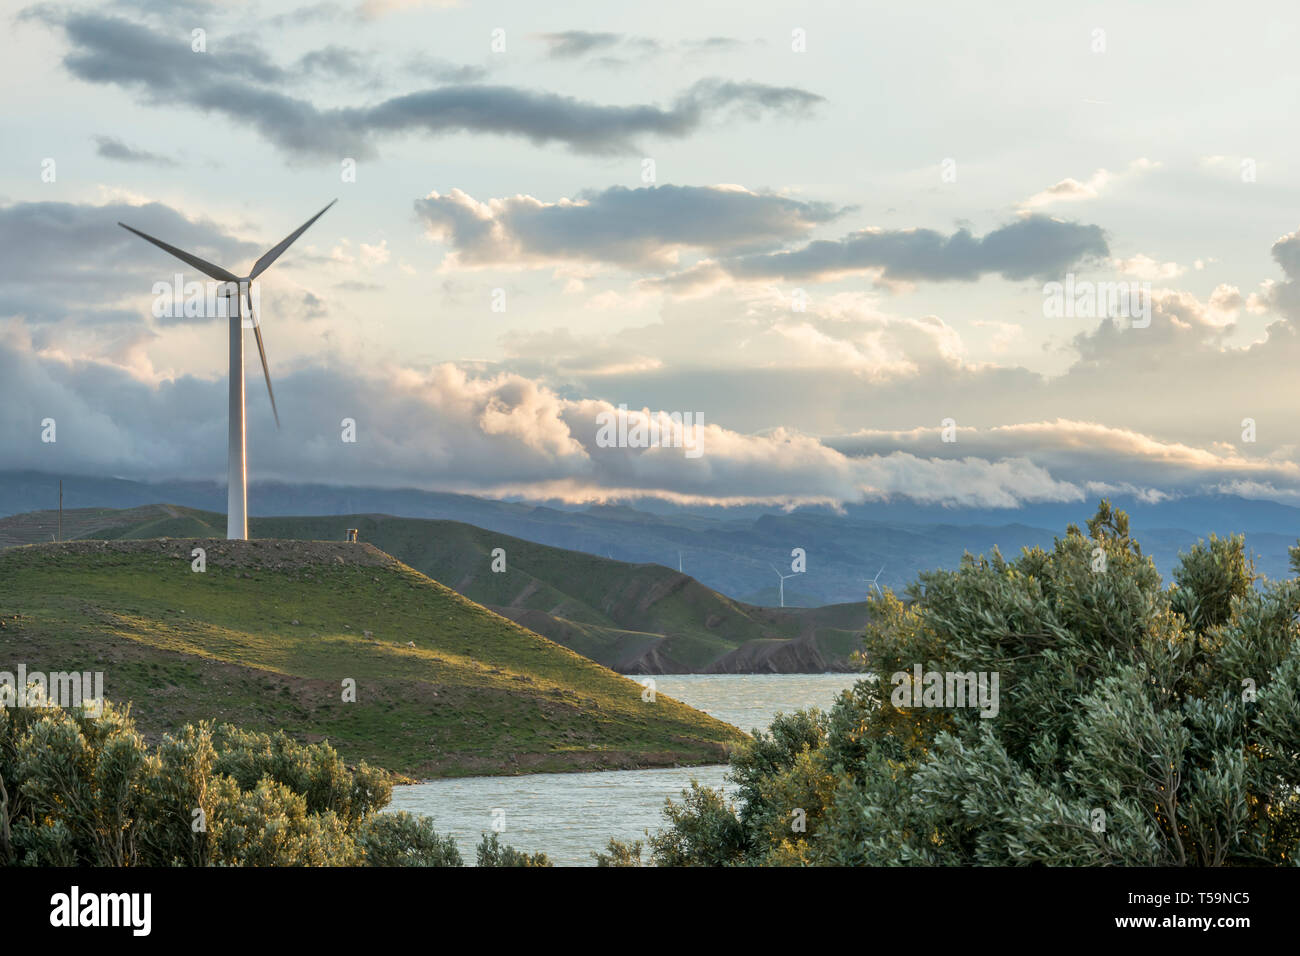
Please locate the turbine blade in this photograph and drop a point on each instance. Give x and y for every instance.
(261, 350)
(257, 331)
(207, 268)
(262, 264)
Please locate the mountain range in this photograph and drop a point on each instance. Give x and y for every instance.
(730, 550)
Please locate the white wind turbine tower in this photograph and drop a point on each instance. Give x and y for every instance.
(782, 577)
(237, 473)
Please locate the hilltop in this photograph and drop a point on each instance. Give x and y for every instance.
(633, 618)
(42, 527)
(268, 634)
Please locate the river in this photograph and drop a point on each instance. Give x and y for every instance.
(569, 816)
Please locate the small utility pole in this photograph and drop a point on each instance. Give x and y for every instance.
(60, 509)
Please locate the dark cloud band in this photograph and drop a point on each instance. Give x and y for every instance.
(1036, 246)
(637, 228)
(239, 81)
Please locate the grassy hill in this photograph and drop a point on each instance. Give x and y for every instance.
(39, 527)
(633, 618)
(267, 635)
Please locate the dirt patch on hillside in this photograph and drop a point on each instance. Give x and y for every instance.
(650, 661)
(260, 554)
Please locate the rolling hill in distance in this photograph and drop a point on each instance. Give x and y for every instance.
(641, 619)
(730, 550)
(268, 635)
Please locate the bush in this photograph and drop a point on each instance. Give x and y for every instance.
(78, 789)
(702, 831)
(618, 853)
(492, 853)
(404, 839)
(1136, 725)
(315, 771)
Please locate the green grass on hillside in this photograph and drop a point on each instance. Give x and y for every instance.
(635, 618)
(267, 635)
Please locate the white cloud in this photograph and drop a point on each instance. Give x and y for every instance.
(373, 9)
(366, 258)
(449, 428)
(1073, 190)
(1144, 267)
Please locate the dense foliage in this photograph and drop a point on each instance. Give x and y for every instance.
(490, 852)
(78, 788)
(1137, 724)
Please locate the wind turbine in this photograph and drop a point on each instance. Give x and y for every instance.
(237, 470)
(873, 581)
(782, 577)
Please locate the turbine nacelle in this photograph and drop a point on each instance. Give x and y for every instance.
(236, 290)
(243, 300)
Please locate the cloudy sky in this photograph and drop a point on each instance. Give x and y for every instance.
(825, 230)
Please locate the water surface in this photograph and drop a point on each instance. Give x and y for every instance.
(571, 815)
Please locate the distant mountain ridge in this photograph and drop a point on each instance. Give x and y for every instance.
(730, 550)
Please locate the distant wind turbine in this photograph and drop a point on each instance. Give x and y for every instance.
(782, 577)
(679, 562)
(874, 581)
(237, 471)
